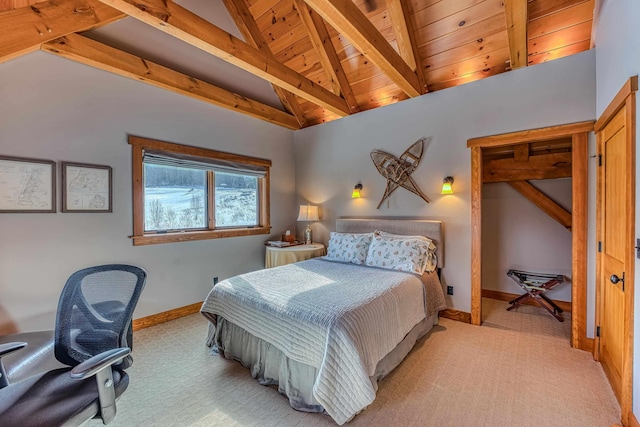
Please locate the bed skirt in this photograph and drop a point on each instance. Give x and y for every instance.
(294, 379)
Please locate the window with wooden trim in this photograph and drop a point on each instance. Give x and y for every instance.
(183, 193)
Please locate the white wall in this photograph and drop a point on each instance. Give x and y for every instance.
(617, 59)
(332, 158)
(55, 109)
(516, 234)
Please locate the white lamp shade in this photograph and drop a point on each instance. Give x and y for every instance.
(308, 213)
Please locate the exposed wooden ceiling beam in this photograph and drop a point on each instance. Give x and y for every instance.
(349, 21)
(249, 28)
(521, 152)
(167, 16)
(552, 146)
(543, 166)
(594, 22)
(96, 54)
(516, 15)
(543, 201)
(541, 147)
(403, 28)
(26, 28)
(321, 41)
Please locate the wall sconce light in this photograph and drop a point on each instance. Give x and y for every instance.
(446, 185)
(356, 191)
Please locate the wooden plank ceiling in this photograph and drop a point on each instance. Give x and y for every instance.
(325, 58)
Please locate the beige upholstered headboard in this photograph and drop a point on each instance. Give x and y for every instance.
(410, 227)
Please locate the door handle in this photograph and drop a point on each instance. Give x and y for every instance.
(615, 279)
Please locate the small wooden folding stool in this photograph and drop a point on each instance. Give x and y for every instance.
(535, 285)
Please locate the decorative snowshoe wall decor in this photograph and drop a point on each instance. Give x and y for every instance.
(398, 170)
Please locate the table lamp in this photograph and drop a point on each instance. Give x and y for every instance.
(308, 213)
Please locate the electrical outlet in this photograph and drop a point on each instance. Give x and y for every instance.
(215, 280)
(449, 290)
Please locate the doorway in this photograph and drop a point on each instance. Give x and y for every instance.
(543, 167)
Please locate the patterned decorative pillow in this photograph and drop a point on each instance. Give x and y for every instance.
(410, 255)
(400, 236)
(348, 247)
(432, 258)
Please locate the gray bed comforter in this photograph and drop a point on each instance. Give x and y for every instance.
(340, 318)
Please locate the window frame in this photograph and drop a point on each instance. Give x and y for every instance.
(140, 237)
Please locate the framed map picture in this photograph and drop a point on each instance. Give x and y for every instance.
(86, 188)
(27, 185)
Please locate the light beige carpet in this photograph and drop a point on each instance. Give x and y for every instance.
(516, 370)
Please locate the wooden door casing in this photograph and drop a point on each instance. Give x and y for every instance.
(615, 231)
(578, 132)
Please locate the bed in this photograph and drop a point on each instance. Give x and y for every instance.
(326, 330)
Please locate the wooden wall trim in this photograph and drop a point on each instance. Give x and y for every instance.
(155, 144)
(579, 234)
(627, 385)
(587, 345)
(540, 134)
(598, 294)
(191, 236)
(617, 103)
(137, 154)
(457, 315)
(476, 235)
(507, 296)
(165, 316)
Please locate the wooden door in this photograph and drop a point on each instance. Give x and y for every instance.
(614, 232)
(615, 210)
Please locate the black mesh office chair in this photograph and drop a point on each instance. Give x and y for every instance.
(92, 337)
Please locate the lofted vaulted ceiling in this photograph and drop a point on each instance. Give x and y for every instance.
(297, 63)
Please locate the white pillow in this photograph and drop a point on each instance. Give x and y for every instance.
(410, 255)
(432, 258)
(348, 247)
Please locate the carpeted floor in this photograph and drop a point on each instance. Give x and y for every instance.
(515, 370)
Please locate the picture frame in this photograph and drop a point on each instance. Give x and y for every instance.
(86, 188)
(27, 185)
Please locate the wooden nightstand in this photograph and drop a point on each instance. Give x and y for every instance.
(275, 256)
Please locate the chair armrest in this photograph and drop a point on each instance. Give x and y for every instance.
(6, 349)
(97, 366)
(97, 363)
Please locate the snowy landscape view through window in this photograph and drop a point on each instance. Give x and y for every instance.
(176, 198)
